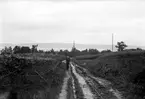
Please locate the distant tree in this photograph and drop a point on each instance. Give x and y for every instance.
(66, 51)
(34, 48)
(77, 50)
(86, 50)
(17, 49)
(93, 51)
(52, 51)
(40, 51)
(83, 52)
(139, 49)
(61, 51)
(47, 52)
(25, 49)
(106, 51)
(7, 50)
(121, 46)
(130, 49)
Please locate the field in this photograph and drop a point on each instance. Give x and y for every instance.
(126, 70)
(32, 76)
(40, 76)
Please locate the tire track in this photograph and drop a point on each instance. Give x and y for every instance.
(74, 89)
(70, 92)
(63, 94)
(78, 92)
(100, 86)
(85, 88)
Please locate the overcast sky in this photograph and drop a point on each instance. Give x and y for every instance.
(86, 22)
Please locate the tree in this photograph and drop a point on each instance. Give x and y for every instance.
(86, 50)
(7, 50)
(25, 49)
(47, 52)
(34, 48)
(93, 51)
(139, 49)
(52, 51)
(17, 49)
(106, 51)
(40, 51)
(121, 46)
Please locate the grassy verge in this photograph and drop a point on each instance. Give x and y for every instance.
(85, 57)
(124, 69)
(30, 78)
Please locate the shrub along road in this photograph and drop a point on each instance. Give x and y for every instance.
(80, 84)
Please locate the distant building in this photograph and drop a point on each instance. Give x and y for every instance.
(73, 48)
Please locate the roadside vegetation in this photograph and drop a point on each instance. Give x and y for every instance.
(125, 69)
(26, 78)
(29, 73)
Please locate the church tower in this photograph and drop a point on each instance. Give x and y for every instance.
(73, 48)
(74, 44)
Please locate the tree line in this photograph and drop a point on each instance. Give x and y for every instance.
(19, 49)
(34, 49)
(121, 46)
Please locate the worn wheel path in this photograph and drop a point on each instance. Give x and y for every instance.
(80, 84)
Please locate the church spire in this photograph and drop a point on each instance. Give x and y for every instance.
(73, 47)
(73, 44)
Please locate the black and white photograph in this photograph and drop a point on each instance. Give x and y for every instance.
(72, 49)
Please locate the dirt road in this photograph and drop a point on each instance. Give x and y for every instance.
(80, 84)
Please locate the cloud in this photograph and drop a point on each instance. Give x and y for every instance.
(82, 21)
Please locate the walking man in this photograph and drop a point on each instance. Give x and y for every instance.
(67, 62)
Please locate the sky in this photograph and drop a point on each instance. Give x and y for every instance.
(85, 22)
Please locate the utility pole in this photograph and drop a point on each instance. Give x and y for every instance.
(112, 41)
